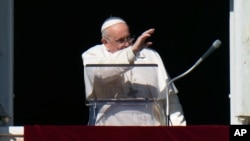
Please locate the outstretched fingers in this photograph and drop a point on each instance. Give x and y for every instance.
(141, 42)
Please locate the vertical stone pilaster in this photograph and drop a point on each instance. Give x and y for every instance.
(240, 61)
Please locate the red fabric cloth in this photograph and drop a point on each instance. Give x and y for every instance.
(131, 133)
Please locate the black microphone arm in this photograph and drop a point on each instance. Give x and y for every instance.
(216, 44)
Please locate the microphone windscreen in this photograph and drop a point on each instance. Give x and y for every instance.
(216, 44)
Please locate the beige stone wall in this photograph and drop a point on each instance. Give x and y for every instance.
(240, 61)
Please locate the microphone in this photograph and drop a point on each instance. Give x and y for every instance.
(216, 44)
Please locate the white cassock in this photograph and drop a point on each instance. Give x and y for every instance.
(124, 82)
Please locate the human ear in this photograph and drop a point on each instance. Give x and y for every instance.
(104, 41)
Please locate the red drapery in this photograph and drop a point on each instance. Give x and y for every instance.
(130, 133)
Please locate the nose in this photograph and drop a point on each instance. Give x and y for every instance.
(126, 44)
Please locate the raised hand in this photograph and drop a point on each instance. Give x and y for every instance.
(141, 42)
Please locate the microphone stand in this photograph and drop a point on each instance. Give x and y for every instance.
(171, 82)
(214, 46)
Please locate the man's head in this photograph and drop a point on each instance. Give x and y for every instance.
(115, 34)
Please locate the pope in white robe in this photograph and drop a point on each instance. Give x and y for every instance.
(110, 83)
